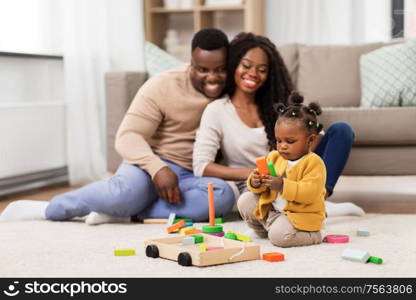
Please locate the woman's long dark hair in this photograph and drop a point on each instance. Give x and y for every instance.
(277, 87)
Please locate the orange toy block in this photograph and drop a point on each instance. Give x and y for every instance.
(273, 256)
(195, 231)
(176, 226)
(261, 164)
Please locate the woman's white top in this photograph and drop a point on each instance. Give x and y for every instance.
(222, 128)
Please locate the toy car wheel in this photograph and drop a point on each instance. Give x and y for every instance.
(184, 259)
(152, 251)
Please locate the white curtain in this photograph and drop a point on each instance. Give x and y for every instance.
(99, 36)
(328, 21)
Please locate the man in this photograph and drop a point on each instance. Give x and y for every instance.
(155, 140)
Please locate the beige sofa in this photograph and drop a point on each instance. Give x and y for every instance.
(385, 138)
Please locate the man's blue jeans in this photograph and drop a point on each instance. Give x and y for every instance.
(130, 192)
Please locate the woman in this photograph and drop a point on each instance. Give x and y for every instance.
(241, 125)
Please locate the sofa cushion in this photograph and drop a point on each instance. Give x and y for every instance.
(376, 126)
(289, 54)
(330, 74)
(388, 76)
(158, 60)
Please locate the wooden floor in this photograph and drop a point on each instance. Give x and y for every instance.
(45, 193)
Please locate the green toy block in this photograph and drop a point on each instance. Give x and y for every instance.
(198, 238)
(272, 170)
(212, 229)
(219, 220)
(230, 235)
(179, 219)
(363, 232)
(124, 252)
(375, 260)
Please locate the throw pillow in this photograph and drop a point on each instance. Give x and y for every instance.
(388, 76)
(158, 60)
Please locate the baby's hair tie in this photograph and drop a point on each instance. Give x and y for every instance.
(310, 123)
(317, 125)
(293, 114)
(281, 109)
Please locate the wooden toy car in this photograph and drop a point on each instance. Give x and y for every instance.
(187, 255)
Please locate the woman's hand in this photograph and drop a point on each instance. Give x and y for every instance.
(255, 179)
(274, 183)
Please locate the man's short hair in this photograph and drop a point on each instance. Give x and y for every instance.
(209, 39)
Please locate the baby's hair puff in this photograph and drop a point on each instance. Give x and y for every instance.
(295, 109)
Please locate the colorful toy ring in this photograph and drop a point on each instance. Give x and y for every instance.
(336, 238)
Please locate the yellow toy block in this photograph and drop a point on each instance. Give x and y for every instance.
(241, 237)
(183, 230)
(124, 252)
(202, 247)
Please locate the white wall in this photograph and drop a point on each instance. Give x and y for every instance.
(328, 21)
(31, 26)
(31, 79)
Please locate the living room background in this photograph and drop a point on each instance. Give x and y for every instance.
(57, 51)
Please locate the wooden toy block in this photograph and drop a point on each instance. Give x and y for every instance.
(179, 219)
(356, 255)
(155, 221)
(198, 238)
(375, 260)
(363, 232)
(336, 238)
(214, 248)
(230, 235)
(271, 168)
(184, 229)
(262, 167)
(219, 220)
(211, 204)
(188, 240)
(202, 247)
(273, 256)
(211, 229)
(124, 252)
(195, 231)
(175, 226)
(186, 255)
(171, 219)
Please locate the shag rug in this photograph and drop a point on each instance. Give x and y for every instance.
(74, 249)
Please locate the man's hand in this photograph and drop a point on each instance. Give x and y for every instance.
(166, 184)
(255, 179)
(274, 183)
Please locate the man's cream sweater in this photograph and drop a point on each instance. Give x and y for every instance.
(161, 122)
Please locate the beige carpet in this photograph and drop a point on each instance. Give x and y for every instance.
(73, 249)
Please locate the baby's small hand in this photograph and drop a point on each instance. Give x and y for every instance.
(274, 183)
(255, 179)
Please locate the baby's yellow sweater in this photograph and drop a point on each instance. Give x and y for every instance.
(303, 189)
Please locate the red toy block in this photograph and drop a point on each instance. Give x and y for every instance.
(273, 256)
(176, 226)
